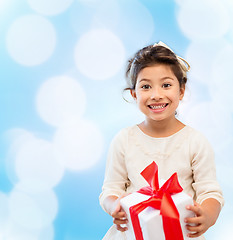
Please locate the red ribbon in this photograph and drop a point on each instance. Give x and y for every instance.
(160, 199)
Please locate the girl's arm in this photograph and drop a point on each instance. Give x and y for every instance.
(206, 216)
(205, 185)
(116, 179)
(113, 208)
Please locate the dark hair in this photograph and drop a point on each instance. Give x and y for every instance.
(152, 55)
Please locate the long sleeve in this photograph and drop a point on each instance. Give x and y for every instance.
(203, 167)
(116, 176)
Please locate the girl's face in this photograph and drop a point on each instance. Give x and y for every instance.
(158, 92)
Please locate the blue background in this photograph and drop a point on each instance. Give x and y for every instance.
(74, 37)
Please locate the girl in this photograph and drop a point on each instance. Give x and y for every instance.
(156, 81)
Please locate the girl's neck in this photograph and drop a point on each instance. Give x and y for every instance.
(160, 129)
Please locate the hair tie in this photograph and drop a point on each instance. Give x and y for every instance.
(183, 63)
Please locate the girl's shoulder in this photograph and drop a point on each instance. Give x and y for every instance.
(197, 140)
(120, 141)
(195, 134)
(124, 133)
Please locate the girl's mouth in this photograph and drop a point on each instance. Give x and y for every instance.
(158, 106)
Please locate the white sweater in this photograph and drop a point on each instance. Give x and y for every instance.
(186, 152)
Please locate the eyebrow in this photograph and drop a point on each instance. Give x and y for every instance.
(144, 80)
(162, 79)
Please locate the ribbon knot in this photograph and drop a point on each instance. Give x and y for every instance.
(160, 199)
(155, 193)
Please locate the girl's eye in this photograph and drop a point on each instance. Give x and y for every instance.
(166, 85)
(146, 86)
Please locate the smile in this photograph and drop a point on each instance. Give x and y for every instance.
(158, 106)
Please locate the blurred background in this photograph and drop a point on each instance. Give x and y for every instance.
(62, 66)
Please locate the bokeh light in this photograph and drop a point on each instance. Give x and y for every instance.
(203, 19)
(134, 22)
(4, 211)
(31, 40)
(107, 15)
(60, 99)
(99, 54)
(17, 232)
(17, 137)
(36, 166)
(32, 211)
(199, 118)
(14, 231)
(78, 144)
(102, 14)
(50, 7)
(90, 2)
(222, 72)
(201, 56)
(47, 233)
(2, 3)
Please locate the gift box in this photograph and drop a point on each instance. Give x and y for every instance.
(157, 213)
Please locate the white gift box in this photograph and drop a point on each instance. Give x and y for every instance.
(150, 218)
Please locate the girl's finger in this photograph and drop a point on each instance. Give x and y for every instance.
(195, 209)
(122, 229)
(197, 228)
(119, 214)
(193, 220)
(120, 221)
(195, 235)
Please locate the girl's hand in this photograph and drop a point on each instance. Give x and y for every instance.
(119, 216)
(206, 215)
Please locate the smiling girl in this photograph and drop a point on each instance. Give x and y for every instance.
(156, 80)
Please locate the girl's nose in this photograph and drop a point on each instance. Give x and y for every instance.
(156, 94)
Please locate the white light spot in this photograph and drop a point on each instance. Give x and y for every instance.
(207, 116)
(50, 7)
(203, 19)
(60, 99)
(14, 231)
(90, 2)
(138, 24)
(47, 233)
(222, 67)
(224, 171)
(228, 4)
(33, 211)
(17, 138)
(2, 4)
(200, 56)
(31, 40)
(94, 15)
(107, 14)
(31, 161)
(99, 54)
(78, 145)
(180, 2)
(36, 166)
(4, 211)
(222, 76)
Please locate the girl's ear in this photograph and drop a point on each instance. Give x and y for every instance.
(133, 94)
(182, 91)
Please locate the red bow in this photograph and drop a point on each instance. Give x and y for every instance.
(160, 199)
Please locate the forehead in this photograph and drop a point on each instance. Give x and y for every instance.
(158, 71)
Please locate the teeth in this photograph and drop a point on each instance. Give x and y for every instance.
(158, 106)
